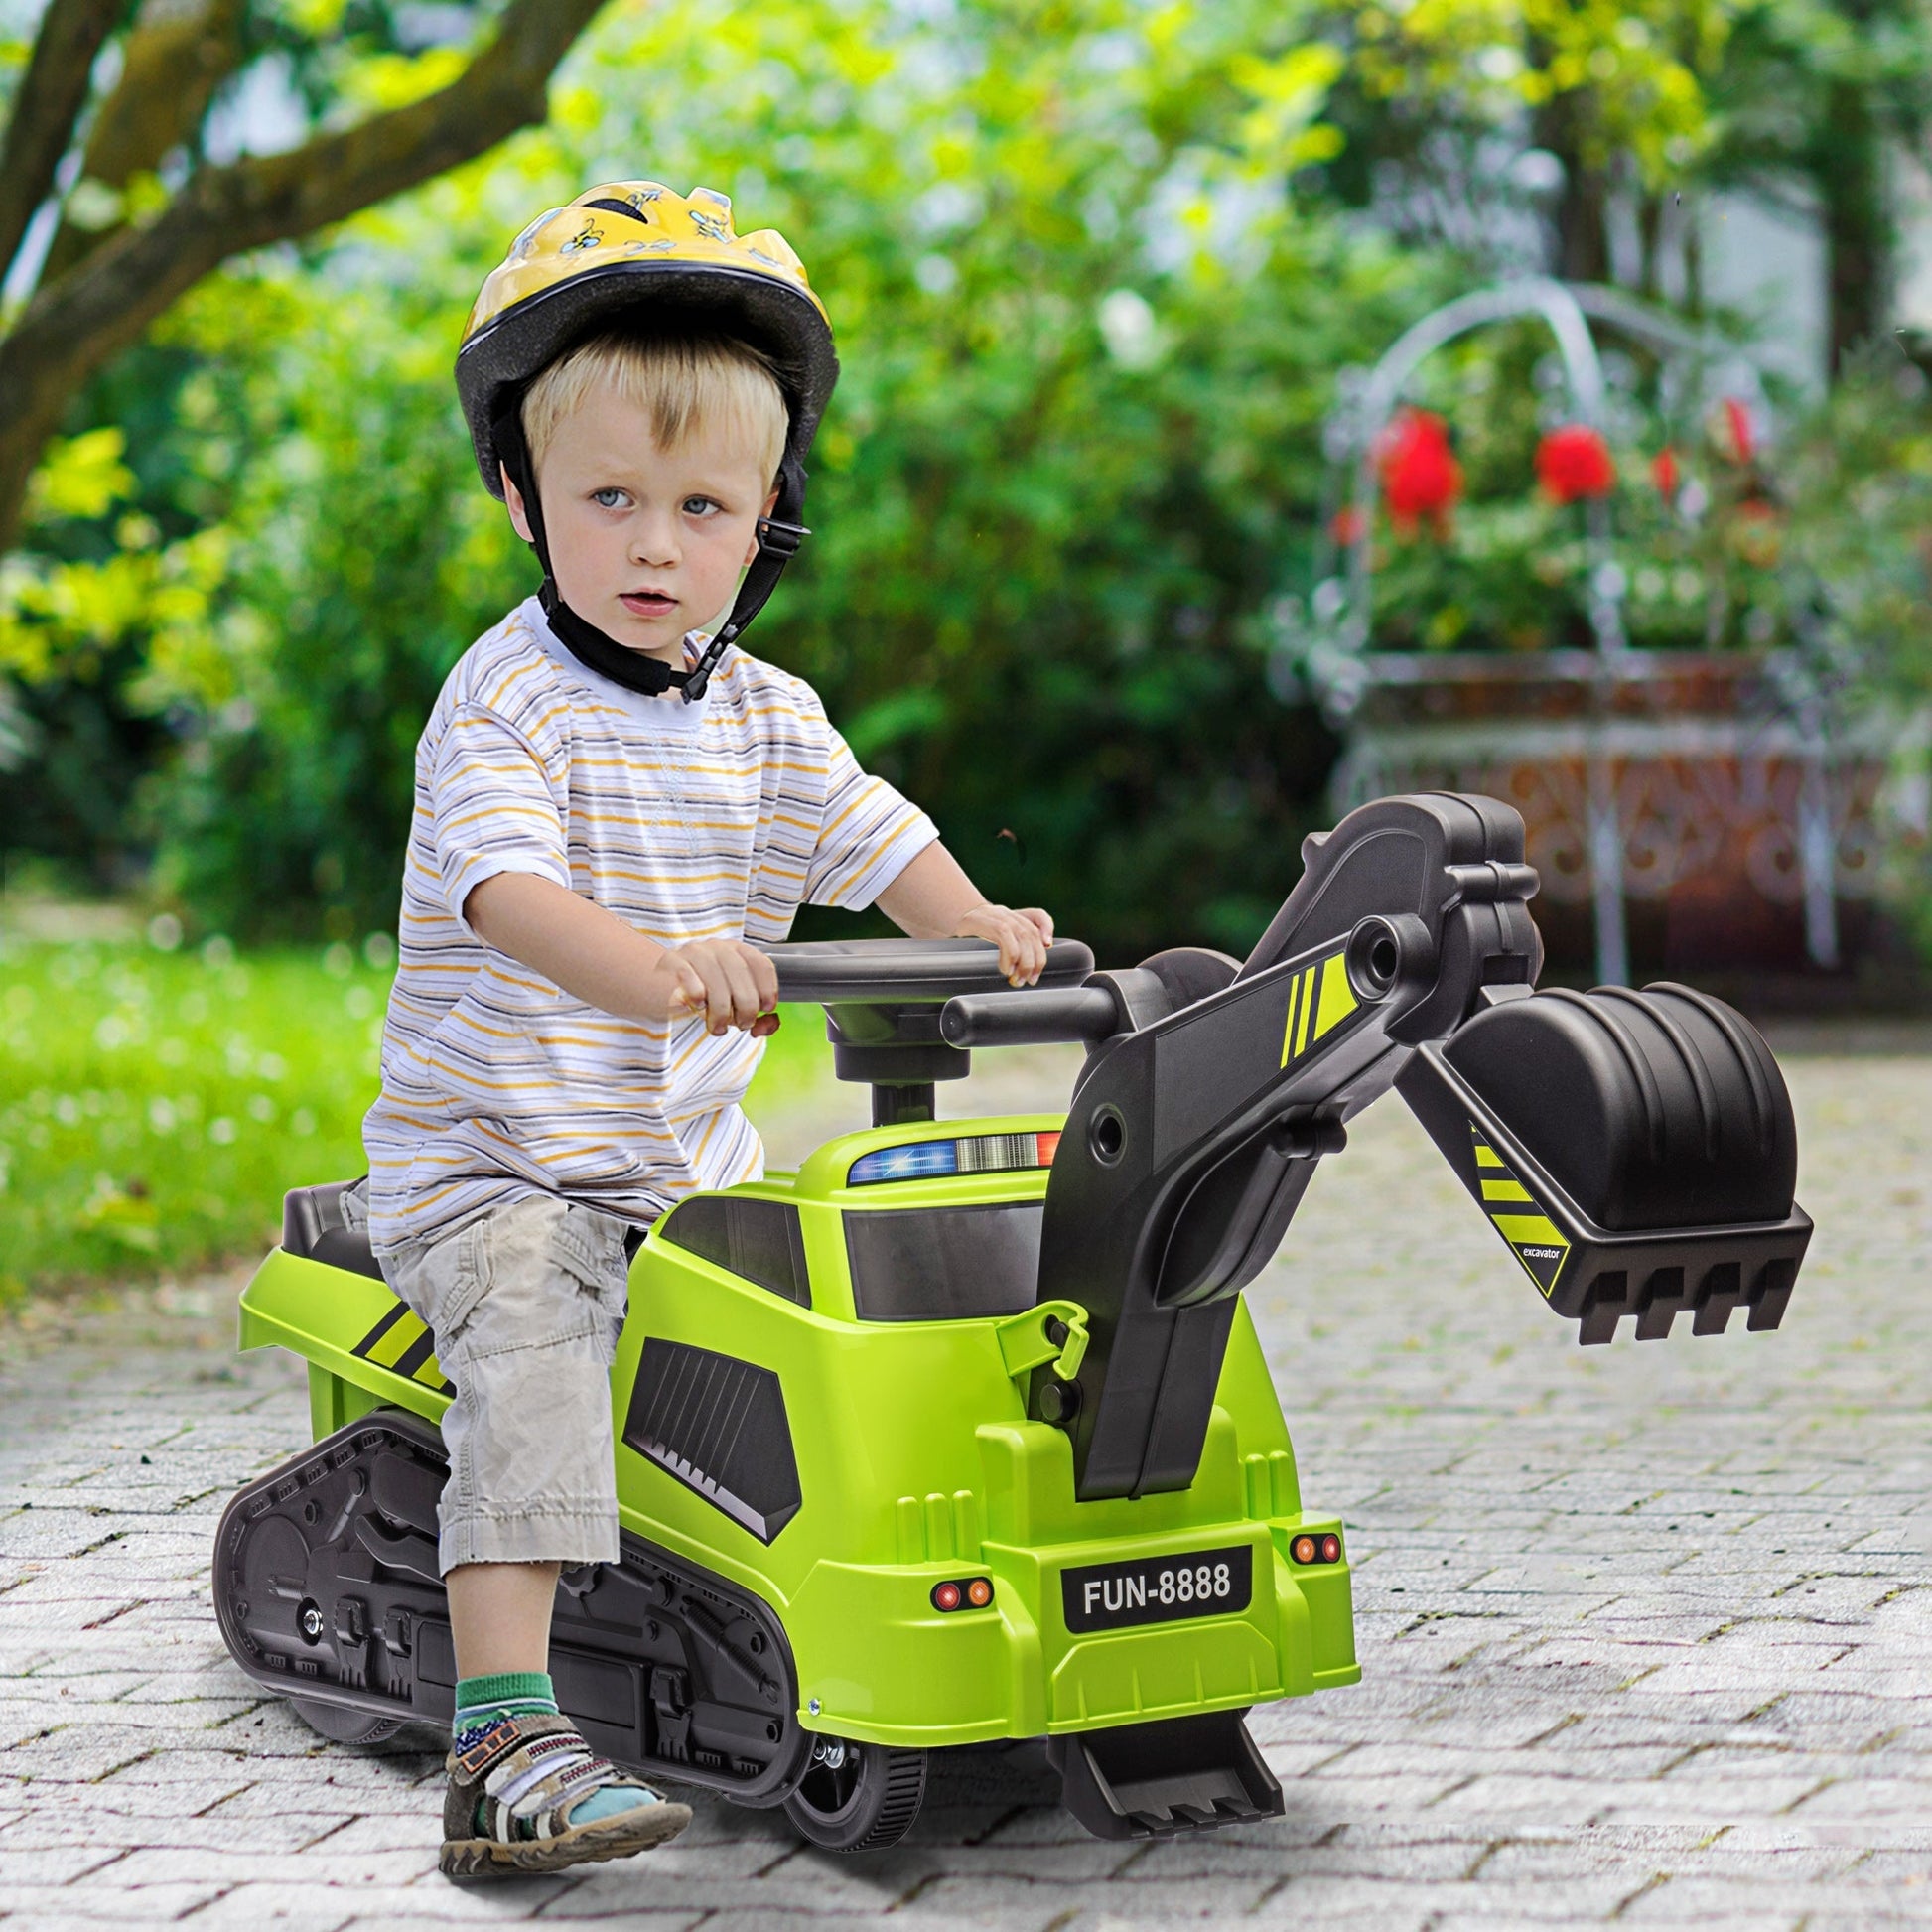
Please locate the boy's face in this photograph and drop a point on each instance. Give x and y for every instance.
(646, 543)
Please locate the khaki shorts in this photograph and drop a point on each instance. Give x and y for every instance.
(526, 1304)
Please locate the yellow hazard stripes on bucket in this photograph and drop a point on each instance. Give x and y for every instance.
(1533, 1237)
(403, 1344)
(1319, 999)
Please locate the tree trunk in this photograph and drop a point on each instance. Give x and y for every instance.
(1650, 242)
(1849, 169)
(76, 323)
(1583, 243)
(46, 103)
(171, 66)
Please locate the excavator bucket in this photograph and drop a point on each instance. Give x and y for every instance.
(1635, 1151)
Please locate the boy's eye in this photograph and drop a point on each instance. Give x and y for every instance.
(698, 505)
(607, 499)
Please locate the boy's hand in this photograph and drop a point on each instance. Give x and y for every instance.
(595, 957)
(933, 899)
(1022, 937)
(729, 983)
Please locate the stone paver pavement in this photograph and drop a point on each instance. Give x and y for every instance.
(1645, 1631)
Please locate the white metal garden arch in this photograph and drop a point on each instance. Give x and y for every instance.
(1341, 666)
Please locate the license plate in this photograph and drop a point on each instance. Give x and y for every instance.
(1158, 1590)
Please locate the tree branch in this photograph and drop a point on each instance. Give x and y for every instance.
(72, 326)
(51, 93)
(173, 62)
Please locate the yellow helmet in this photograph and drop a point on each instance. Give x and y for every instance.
(635, 249)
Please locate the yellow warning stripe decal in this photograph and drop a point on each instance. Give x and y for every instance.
(402, 1343)
(1533, 1239)
(1519, 1229)
(396, 1343)
(1319, 999)
(1337, 996)
(1294, 1013)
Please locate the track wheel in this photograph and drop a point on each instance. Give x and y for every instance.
(345, 1725)
(857, 1797)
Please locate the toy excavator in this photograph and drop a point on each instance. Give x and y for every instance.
(961, 1431)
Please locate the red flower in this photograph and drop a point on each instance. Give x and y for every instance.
(1665, 474)
(1347, 525)
(1419, 476)
(1574, 462)
(1743, 439)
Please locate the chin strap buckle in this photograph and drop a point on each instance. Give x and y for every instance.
(778, 543)
(697, 680)
(780, 538)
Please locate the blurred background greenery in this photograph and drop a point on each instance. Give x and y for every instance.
(1098, 268)
(155, 1100)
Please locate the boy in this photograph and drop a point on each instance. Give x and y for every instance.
(611, 803)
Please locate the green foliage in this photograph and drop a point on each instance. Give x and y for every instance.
(1087, 339)
(156, 1103)
(1090, 301)
(365, 558)
(1793, 67)
(119, 552)
(1636, 73)
(82, 476)
(1858, 474)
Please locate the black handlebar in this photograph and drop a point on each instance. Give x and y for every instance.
(1028, 1019)
(837, 972)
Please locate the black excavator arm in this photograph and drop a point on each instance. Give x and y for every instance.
(1635, 1151)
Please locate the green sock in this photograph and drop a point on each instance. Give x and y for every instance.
(484, 1700)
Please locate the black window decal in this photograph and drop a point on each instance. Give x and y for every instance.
(757, 1239)
(944, 1264)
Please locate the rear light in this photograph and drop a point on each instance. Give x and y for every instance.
(972, 1593)
(1331, 1549)
(1315, 1548)
(974, 1154)
(1303, 1549)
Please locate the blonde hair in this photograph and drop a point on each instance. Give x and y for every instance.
(679, 383)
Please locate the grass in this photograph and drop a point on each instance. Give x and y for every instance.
(156, 1103)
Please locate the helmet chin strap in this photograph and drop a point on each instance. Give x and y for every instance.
(778, 538)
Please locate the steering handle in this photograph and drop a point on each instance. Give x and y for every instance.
(908, 971)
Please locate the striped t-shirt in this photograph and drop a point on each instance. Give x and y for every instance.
(714, 820)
